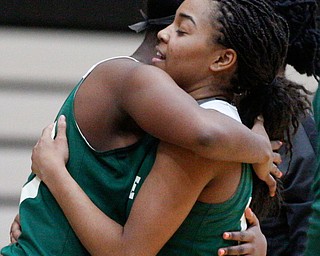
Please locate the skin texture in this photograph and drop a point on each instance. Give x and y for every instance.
(174, 169)
(173, 172)
(121, 98)
(248, 236)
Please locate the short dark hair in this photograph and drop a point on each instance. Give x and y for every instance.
(162, 8)
(304, 42)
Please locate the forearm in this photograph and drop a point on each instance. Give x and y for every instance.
(154, 221)
(235, 142)
(96, 231)
(165, 111)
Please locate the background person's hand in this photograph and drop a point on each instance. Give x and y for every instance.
(253, 242)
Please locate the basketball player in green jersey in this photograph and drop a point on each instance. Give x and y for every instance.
(173, 186)
(78, 151)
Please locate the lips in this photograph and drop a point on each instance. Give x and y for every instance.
(160, 56)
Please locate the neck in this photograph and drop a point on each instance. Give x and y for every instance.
(211, 87)
(146, 51)
(209, 92)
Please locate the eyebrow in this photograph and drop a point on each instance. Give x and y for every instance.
(186, 16)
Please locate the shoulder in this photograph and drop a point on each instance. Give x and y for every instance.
(148, 72)
(129, 72)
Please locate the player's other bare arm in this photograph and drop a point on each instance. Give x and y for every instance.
(164, 110)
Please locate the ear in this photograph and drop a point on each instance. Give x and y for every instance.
(224, 59)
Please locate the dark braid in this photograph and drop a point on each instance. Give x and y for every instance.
(304, 42)
(260, 38)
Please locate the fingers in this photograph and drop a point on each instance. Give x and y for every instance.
(15, 230)
(244, 236)
(14, 235)
(17, 219)
(272, 184)
(259, 119)
(47, 131)
(251, 217)
(241, 236)
(251, 242)
(276, 158)
(242, 249)
(274, 170)
(276, 144)
(62, 127)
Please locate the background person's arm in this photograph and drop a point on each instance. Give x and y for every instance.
(288, 231)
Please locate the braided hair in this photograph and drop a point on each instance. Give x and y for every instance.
(260, 38)
(304, 41)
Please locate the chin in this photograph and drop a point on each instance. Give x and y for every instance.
(160, 65)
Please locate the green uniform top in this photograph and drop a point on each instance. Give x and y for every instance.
(111, 179)
(108, 178)
(313, 245)
(201, 232)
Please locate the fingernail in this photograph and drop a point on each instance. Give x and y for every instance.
(260, 118)
(221, 252)
(250, 212)
(226, 235)
(62, 118)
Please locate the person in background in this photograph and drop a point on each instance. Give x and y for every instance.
(313, 245)
(287, 233)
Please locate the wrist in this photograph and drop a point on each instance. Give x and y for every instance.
(265, 149)
(56, 177)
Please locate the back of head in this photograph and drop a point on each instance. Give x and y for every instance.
(162, 8)
(159, 14)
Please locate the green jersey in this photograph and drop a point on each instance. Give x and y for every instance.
(313, 245)
(201, 232)
(112, 179)
(108, 178)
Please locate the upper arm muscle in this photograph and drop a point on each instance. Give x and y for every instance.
(165, 199)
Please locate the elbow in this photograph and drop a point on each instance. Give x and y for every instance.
(207, 141)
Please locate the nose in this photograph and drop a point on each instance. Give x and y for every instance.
(163, 35)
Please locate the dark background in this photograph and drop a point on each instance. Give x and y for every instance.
(71, 14)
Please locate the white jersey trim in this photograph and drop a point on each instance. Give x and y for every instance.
(30, 190)
(112, 58)
(223, 107)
